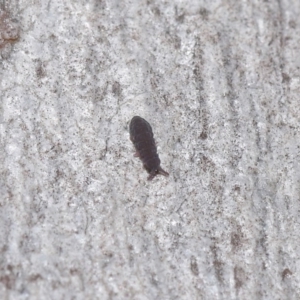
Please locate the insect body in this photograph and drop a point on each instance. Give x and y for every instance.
(142, 137)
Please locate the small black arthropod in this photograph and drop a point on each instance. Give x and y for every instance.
(142, 137)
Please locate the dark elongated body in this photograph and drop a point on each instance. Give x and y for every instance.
(142, 137)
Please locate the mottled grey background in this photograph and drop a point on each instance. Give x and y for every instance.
(219, 82)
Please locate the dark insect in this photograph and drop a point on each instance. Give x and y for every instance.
(142, 137)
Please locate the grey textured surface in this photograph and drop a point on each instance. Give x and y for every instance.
(219, 82)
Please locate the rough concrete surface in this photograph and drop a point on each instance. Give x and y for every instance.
(219, 82)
